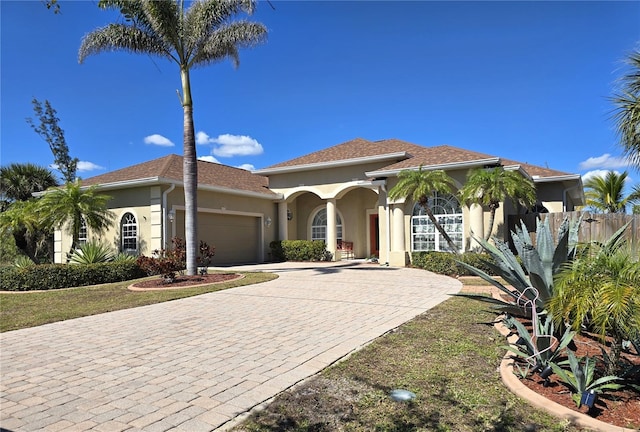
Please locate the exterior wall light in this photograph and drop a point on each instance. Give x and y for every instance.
(172, 215)
(289, 215)
(267, 222)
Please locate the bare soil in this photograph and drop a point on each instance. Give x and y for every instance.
(184, 281)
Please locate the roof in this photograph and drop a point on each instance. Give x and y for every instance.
(408, 155)
(168, 169)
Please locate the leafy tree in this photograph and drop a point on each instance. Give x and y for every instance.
(606, 193)
(488, 187)
(18, 219)
(69, 205)
(419, 185)
(627, 109)
(201, 35)
(600, 289)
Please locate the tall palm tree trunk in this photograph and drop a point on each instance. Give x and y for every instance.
(190, 175)
(441, 230)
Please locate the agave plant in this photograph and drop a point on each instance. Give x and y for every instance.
(542, 348)
(91, 252)
(531, 282)
(23, 262)
(580, 380)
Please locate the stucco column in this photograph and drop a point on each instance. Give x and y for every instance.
(476, 224)
(332, 231)
(398, 228)
(398, 255)
(283, 233)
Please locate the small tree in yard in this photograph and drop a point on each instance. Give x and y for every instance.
(418, 185)
(491, 186)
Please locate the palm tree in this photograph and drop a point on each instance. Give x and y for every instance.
(418, 185)
(70, 205)
(627, 110)
(601, 290)
(489, 187)
(606, 193)
(198, 36)
(18, 182)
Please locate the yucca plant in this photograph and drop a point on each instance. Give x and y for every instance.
(531, 282)
(122, 257)
(581, 378)
(91, 252)
(23, 262)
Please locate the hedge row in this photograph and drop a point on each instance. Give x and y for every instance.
(56, 276)
(299, 250)
(445, 262)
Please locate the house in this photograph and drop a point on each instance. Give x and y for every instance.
(338, 194)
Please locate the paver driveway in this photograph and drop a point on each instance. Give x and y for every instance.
(196, 364)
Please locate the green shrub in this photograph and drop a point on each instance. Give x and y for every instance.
(299, 250)
(56, 276)
(445, 262)
(92, 252)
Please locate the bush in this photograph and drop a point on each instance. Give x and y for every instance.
(299, 250)
(92, 252)
(165, 262)
(445, 262)
(56, 276)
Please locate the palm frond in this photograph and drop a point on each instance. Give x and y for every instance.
(121, 37)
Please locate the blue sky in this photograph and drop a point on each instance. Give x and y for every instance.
(528, 81)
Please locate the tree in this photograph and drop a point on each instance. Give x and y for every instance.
(18, 181)
(71, 204)
(627, 110)
(50, 131)
(606, 193)
(491, 186)
(419, 185)
(198, 36)
(52, 4)
(18, 219)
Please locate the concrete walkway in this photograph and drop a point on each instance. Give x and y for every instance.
(196, 364)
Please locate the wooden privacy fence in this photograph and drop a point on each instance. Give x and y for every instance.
(594, 227)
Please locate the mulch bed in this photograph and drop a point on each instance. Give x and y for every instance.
(184, 281)
(620, 408)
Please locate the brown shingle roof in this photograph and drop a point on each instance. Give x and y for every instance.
(170, 168)
(416, 155)
(356, 148)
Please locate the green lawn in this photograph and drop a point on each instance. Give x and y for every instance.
(28, 309)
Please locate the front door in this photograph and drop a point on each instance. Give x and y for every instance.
(374, 235)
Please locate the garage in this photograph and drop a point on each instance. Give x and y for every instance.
(235, 237)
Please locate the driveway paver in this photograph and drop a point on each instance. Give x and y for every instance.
(196, 364)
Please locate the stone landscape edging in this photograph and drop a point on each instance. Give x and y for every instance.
(514, 384)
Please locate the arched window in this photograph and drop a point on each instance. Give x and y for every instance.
(448, 212)
(319, 226)
(82, 234)
(129, 233)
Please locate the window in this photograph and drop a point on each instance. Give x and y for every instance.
(447, 211)
(319, 226)
(129, 233)
(82, 234)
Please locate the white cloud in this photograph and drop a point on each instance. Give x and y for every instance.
(594, 173)
(248, 167)
(209, 159)
(159, 140)
(606, 161)
(84, 166)
(228, 145)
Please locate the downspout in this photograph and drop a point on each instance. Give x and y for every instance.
(164, 214)
(386, 205)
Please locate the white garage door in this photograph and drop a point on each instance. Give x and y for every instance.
(236, 238)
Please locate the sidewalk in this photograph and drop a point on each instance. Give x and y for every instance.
(196, 364)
